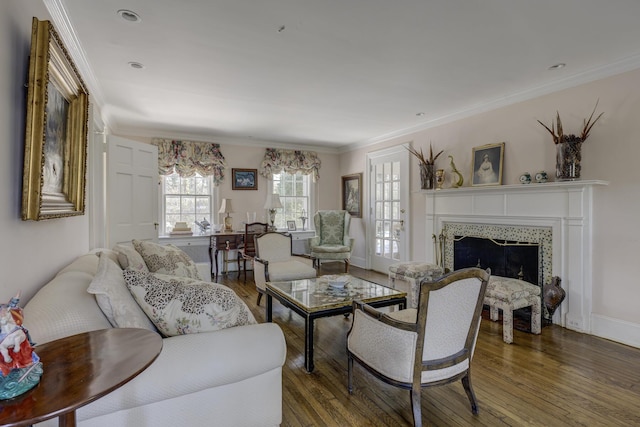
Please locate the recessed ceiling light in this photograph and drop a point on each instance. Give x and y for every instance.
(420, 114)
(136, 65)
(129, 16)
(282, 28)
(558, 66)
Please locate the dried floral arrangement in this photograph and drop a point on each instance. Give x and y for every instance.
(557, 132)
(420, 155)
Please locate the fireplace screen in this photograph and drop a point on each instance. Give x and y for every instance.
(505, 258)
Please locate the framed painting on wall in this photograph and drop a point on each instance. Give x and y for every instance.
(352, 194)
(244, 179)
(55, 153)
(486, 166)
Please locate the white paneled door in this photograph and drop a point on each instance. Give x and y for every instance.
(132, 190)
(388, 221)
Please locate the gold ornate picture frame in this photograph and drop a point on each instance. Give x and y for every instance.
(486, 164)
(55, 153)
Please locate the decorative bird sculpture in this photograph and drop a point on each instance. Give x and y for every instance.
(458, 180)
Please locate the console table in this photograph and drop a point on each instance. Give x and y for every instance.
(224, 241)
(80, 369)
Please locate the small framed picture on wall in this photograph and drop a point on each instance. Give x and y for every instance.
(244, 179)
(352, 194)
(487, 164)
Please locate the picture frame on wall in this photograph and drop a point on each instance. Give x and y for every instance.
(291, 225)
(244, 179)
(352, 194)
(55, 152)
(487, 163)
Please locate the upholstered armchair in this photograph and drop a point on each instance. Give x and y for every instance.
(420, 347)
(275, 262)
(332, 241)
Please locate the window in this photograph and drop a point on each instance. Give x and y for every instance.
(296, 196)
(186, 199)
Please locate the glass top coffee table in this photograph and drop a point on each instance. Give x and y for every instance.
(323, 297)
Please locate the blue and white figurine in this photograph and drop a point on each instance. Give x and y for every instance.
(525, 178)
(541, 177)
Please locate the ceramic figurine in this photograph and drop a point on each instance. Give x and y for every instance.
(525, 178)
(541, 177)
(457, 180)
(20, 367)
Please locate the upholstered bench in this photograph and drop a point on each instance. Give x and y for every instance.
(414, 272)
(508, 294)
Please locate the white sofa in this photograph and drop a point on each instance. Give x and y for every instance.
(231, 377)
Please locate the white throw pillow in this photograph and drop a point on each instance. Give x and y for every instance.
(128, 257)
(114, 299)
(166, 259)
(180, 305)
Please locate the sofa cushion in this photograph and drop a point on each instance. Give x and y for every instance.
(128, 257)
(181, 305)
(114, 299)
(290, 270)
(166, 259)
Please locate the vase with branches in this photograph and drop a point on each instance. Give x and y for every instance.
(569, 147)
(427, 175)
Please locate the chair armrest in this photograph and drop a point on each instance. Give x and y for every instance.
(314, 241)
(383, 317)
(349, 241)
(306, 259)
(261, 261)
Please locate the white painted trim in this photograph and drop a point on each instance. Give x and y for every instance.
(358, 262)
(616, 330)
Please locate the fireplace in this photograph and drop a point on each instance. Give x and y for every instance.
(517, 251)
(556, 217)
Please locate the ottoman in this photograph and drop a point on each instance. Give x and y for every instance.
(414, 272)
(509, 294)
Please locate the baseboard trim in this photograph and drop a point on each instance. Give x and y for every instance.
(616, 330)
(358, 262)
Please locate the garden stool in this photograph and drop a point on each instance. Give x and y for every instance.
(414, 272)
(508, 294)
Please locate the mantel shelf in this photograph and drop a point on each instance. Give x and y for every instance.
(555, 185)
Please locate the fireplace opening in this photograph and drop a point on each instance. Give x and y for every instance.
(506, 258)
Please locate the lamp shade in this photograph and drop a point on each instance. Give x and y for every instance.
(273, 202)
(225, 206)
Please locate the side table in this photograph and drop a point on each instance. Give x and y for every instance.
(80, 369)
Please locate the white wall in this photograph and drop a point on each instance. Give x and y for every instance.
(610, 154)
(31, 252)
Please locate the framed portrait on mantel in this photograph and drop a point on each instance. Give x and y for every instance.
(487, 162)
(352, 194)
(55, 152)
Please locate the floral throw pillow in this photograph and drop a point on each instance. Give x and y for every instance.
(180, 305)
(166, 259)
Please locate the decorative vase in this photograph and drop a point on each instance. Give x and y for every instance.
(439, 179)
(568, 158)
(553, 295)
(426, 176)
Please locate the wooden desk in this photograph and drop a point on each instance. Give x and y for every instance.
(224, 241)
(80, 369)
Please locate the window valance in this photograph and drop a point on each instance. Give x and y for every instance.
(290, 161)
(188, 157)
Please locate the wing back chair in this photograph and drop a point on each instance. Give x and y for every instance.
(425, 346)
(332, 241)
(275, 262)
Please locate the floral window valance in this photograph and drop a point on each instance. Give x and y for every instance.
(188, 157)
(290, 161)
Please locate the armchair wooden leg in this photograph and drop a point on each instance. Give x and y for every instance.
(350, 374)
(346, 265)
(466, 383)
(415, 406)
(259, 297)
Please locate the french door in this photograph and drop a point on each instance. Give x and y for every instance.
(388, 236)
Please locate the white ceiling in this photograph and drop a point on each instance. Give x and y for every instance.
(339, 72)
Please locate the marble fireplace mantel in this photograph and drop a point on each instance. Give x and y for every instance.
(564, 207)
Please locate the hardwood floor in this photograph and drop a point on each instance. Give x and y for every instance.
(558, 378)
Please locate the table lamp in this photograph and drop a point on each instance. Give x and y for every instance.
(273, 203)
(225, 208)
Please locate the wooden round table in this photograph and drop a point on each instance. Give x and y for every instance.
(80, 369)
